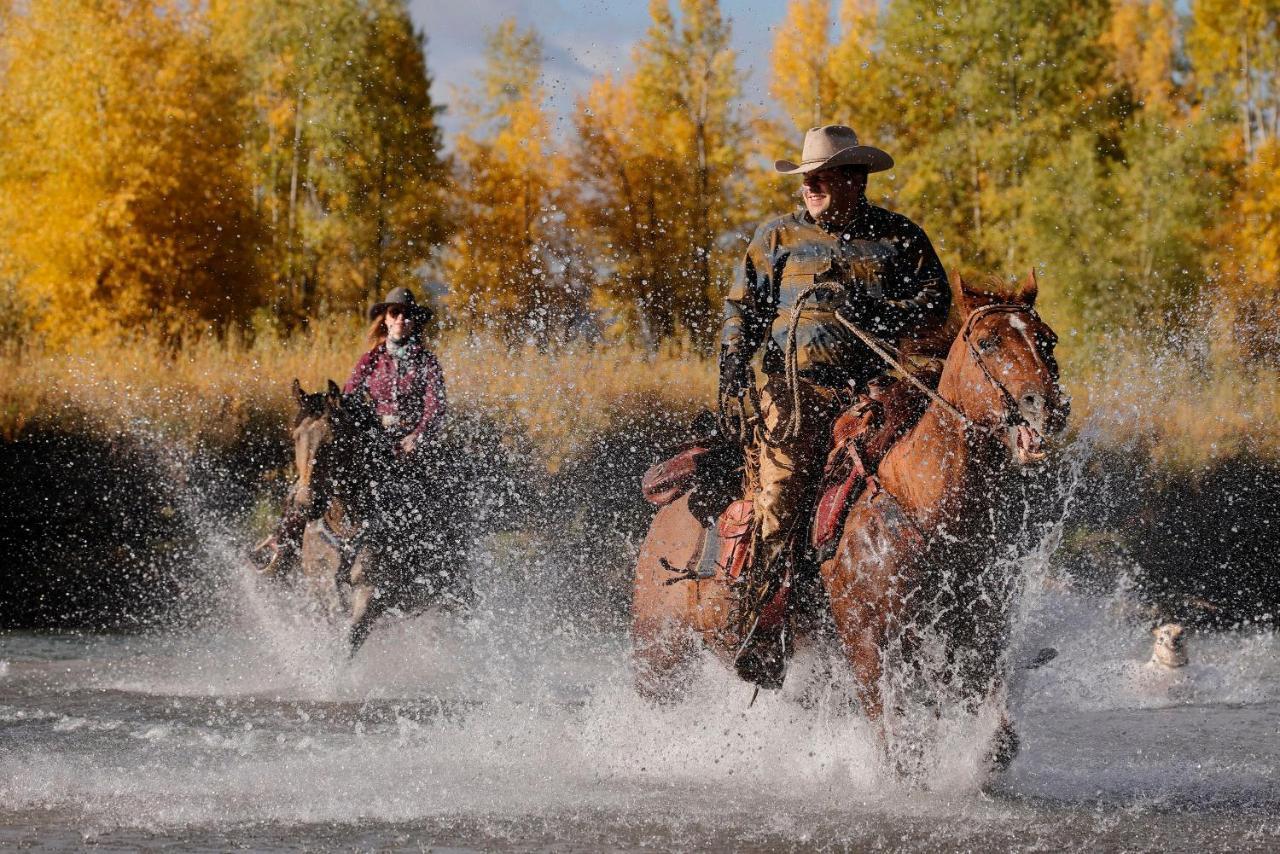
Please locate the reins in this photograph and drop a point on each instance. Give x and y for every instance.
(1013, 415)
(885, 351)
(881, 349)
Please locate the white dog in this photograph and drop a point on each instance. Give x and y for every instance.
(1169, 649)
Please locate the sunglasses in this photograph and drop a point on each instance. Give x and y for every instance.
(396, 312)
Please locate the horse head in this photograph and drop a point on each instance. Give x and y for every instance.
(329, 433)
(1001, 372)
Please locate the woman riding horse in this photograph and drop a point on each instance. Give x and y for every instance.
(405, 387)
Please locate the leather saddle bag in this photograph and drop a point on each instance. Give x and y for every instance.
(673, 477)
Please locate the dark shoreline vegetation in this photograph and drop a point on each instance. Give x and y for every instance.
(124, 478)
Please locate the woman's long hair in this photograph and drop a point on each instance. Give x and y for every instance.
(377, 333)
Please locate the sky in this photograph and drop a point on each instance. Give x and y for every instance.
(583, 39)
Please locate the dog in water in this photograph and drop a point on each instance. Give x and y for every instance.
(1169, 649)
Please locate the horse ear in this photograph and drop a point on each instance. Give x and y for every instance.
(332, 397)
(971, 298)
(299, 396)
(1028, 289)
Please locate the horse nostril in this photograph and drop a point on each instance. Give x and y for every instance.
(1032, 401)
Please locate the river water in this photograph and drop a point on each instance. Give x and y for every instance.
(518, 729)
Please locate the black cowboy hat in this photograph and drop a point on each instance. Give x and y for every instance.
(402, 297)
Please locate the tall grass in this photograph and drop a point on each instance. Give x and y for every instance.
(1189, 404)
(213, 389)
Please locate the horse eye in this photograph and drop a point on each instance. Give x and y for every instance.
(988, 344)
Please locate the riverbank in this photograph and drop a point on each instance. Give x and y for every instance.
(119, 458)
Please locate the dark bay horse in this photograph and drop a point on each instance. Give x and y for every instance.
(375, 539)
(915, 544)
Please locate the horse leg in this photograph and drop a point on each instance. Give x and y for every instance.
(985, 639)
(1005, 744)
(366, 604)
(860, 611)
(366, 607)
(988, 685)
(279, 555)
(865, 583)
(663, 658)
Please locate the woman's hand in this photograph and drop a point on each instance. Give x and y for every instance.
(408, 443)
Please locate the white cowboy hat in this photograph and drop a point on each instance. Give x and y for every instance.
(834, 145)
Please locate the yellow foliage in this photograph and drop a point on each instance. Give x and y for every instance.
(1248, 256)
(508, 261)
(658, 153)
(801, 80)
(120, 199)
(341, 146)
(1234, 47)
(1141, 37)
(1259, 201)
(855, 72)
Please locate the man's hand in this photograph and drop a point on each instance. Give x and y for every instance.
(732, 419)
(731, 409)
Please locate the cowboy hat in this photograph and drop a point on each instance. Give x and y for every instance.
(834, 145)
(401, 297)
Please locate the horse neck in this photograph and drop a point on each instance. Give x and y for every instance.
(348, 479)
(936, 470)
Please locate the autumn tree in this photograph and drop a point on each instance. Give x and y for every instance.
(1248, 256)
(1142, 40)
(660, 154)
(1234, 50)
(1234, 46)
(342, 148)
(802, 81)
(1048, 134)
(121, 198)
(512, 264)
(856, 70)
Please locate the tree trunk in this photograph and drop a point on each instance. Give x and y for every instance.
(1246, 109)
(293, 198)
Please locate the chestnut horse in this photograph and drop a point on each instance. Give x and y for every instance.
(364, 549)
(932, 518)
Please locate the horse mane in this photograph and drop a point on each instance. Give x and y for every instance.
(997, 288)
(359, 409)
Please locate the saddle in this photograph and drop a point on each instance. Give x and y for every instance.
(710, 468)
(861, 437)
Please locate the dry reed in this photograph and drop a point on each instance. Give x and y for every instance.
(1188, 406)
(212, 389)
(1185, 409)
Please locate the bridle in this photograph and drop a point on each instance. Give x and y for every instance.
(1013, 416)
(344, 428)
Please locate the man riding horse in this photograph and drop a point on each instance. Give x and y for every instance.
(789, 367)
(405, 387)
